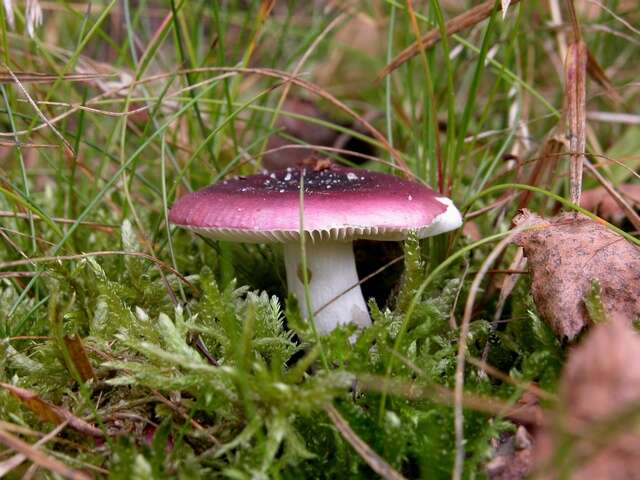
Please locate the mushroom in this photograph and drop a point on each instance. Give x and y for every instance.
(340, 205)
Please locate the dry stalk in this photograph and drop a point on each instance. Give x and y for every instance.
(462, 22)
(575, 85)
(462, 350)
(374, 460)
(41, 459)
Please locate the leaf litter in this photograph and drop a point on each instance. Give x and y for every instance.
(599, 201)
(255, 407)
(593, 432)
(566, 255)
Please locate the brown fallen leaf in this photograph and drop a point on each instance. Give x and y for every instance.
(600, 202)
(48, 412)
(597, 416)
(566, 255)
(527, 411)
(603, 372)
(622, 202)
(471, 231)
(79, 357)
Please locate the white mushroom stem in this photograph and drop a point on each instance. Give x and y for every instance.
(336, 297)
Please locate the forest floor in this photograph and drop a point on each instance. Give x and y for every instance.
(130, 348)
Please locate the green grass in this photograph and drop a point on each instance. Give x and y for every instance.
(195, 341)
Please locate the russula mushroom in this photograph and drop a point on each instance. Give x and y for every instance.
(340, 205)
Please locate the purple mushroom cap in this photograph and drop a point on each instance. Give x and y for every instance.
(339, 204)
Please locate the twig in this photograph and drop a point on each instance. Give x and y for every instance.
(376, 462)
(515, 269)
(49, 412)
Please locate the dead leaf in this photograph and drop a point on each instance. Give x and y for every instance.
(79, 357)
(471, 231)
(527, 410)
(601, 381)
(628, 210)
(48, 412)
(602, 374)
(602, 203)
(566, 254)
